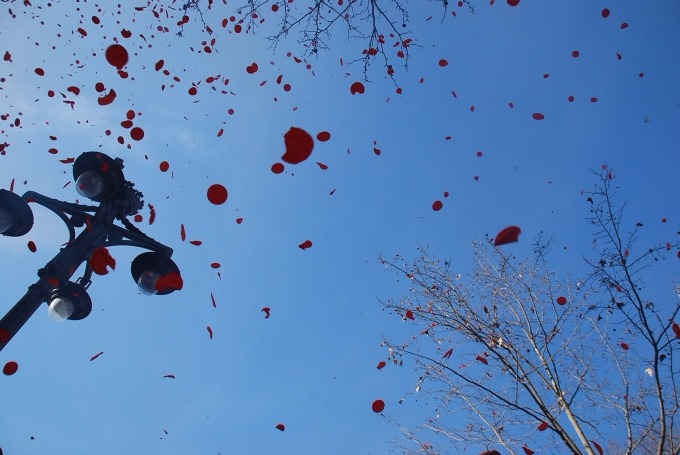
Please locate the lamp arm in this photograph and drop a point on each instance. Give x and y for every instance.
(135, 237)
(61, 208)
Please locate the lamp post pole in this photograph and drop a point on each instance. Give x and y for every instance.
(154, 272)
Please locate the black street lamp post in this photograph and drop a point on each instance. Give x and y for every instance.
(99, 178)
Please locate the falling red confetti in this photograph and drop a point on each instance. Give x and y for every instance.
(625, 346)
(571, 98)
(107, 99)
(267, 312)
(117, 56)
(322, 166)
(100, 260)
(598, 447)
(357, 87)
(306, 244)
(251, 69)
(171, 376)
(605, 13)
(513, 2)
(210, 332)
(381, 365)
(575, 54)
(561, 300)
(182, 233)
(479, 154)
(299, 145)
(96, 356)
(31, 246)
(214, 303)
(40, 71)
(215, 265)
(217, 194)
(10, 368)
(159, 64)
(624, 25)
(593, 100)
(280, 427)
(378, 406)
(543, 426)
(192, 91)
(676, 327)
(443, 63)
(447, 354)
(196, 242)
(437, 206)
(277, 168)
(527, 450)
(538, 116)
(482, 359)
(239, 220)
(164, 166)
(323, 136)
(508, 235)
(137, 133)
(170, 282)
(152, 214)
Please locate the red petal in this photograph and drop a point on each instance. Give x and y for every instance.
(482, 359)
(10, 368)
(508, 235)
(280, 427)
(527, 450)
(381, 365)
(117, 55)
(409, 315)
(378, 406)
(267, 311)
(598, 447)
(676, 327)
(100, 260)
(299, 145)
(447, 354)
(561, 300)
(94, 357)
(217, 194)
(357, 87)
(543, 426)
(182, 233)
(306, 244)
(210, 332)
(538, 116)
(171, 281)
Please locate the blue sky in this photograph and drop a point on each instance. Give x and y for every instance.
(311, 366)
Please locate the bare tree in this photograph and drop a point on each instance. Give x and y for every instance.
(381, 25)
(516, 359)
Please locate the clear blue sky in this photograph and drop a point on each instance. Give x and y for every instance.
(311, 365)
